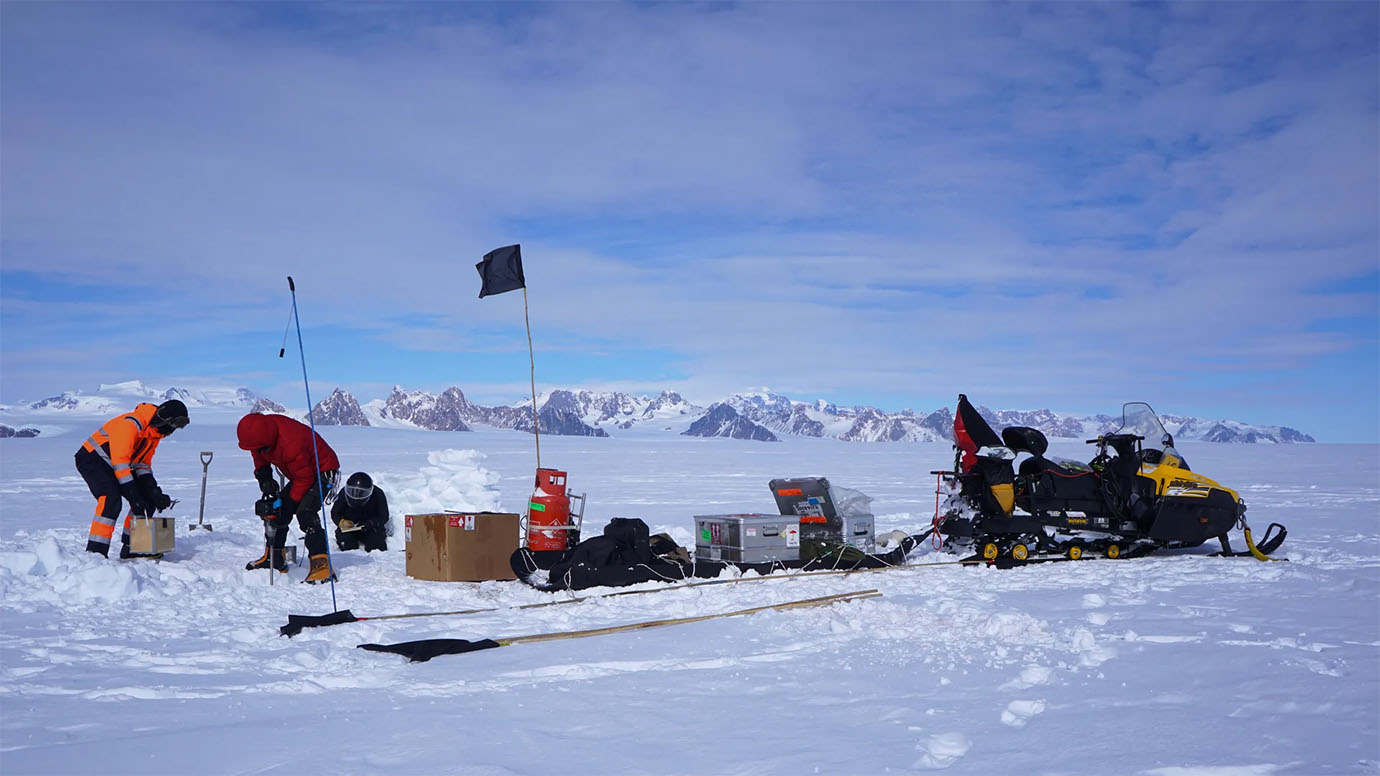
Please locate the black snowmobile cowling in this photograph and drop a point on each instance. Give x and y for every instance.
(1136, 495)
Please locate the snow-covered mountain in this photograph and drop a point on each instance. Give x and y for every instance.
(199, 397)
(268, 406)
(445, 412)
(111, 398)
(72, 402)
(560, 413)
(620, 410)
(722, 420)
(20, 433)
(595, 413)
(339, 409)
(867, 424)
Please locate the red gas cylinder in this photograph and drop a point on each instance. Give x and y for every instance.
(550, 506)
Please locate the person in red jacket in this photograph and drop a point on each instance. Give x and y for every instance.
(278, 441)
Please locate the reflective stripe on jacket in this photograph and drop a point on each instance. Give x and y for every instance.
(127, 442)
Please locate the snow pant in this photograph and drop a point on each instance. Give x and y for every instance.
(308, 514)
(371, 537)
(100, 479)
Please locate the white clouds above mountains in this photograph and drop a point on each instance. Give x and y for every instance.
(1067, 205)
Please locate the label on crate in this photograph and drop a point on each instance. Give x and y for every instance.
(704, 534)
(461, 521)
(407, 523)
(716, 533)
(792, 536)
(751, 531)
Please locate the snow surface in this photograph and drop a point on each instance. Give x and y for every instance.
(1176, 665)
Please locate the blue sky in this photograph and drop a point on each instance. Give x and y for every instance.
(1065, 205)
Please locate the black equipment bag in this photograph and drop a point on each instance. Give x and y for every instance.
(632, 536)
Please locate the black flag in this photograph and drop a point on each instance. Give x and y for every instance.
(501, 270)
(971, 432)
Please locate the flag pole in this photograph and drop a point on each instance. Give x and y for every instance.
(531, 362)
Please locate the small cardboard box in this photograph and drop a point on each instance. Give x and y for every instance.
(461, 547)
(150, 535)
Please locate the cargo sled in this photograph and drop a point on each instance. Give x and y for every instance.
(820, 527)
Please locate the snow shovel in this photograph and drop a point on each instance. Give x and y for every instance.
(206, 456)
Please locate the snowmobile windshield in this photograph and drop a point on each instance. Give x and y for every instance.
(1138, 418)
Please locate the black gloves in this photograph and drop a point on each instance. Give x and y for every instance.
(137, 505)
(267, 485)
(266, 507)
(288, 508)
(161, 501)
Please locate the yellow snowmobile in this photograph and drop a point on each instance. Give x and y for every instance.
(1136, 495)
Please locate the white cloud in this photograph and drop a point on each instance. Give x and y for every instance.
(744, 187)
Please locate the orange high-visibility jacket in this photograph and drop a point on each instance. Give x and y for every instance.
(127, 442)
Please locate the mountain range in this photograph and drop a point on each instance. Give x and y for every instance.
(759, 416)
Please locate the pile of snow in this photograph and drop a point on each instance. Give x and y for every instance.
(452, 479)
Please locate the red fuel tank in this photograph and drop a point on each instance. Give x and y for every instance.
(549, 508)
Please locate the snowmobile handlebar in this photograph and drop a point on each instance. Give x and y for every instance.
(1108, 438)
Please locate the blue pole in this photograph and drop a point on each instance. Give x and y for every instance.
(316, 457)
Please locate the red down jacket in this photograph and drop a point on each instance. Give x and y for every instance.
(286, 444)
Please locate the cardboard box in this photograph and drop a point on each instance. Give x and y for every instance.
(461, 547)
(151, 535)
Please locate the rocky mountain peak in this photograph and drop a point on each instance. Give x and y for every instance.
(339, 409)
(268, 407)
(722, 420)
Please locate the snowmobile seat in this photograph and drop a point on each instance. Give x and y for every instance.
(1053, 487)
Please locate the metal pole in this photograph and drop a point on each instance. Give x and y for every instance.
(532, 362)
(316, 456)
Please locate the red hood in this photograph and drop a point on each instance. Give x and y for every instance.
(256, 432)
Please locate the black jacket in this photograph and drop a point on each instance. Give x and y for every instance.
(373, 513)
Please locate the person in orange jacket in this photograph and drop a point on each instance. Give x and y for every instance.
(117, 464)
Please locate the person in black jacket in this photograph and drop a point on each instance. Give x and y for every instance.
(361, 515)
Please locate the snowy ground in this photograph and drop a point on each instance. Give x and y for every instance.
(1174, 664)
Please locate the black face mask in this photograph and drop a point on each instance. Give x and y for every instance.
(165, 425)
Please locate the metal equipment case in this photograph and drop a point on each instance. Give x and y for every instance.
(827, 513)
(747, 538)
